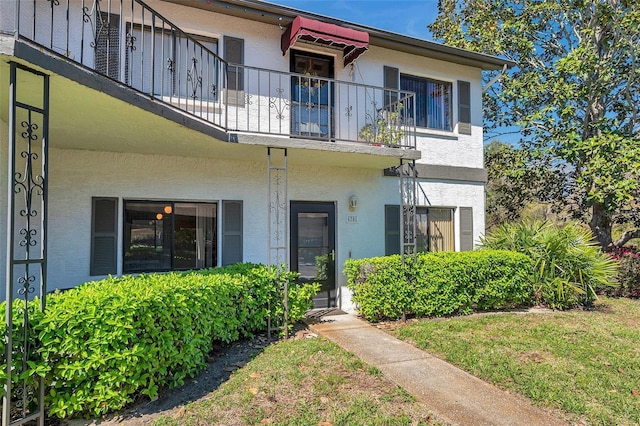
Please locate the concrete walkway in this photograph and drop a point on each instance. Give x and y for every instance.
(452, 394)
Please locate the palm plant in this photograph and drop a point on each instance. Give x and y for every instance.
(568, 264)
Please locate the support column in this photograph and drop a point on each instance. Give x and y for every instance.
(278, 230)
(408, 201)
(26, 266)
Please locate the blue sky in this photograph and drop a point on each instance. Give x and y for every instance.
(408, 17)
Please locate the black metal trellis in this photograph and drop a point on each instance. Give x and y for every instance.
(26, 254)
(408, 200)
(278, 231)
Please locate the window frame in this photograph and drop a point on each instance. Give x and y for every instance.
(425, 210)
(172, 203)
(450, 95)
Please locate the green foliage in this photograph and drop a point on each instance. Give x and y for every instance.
(574, 92)
(568, 265)
(438, 284)
(29, 374)
(386, 130)
(582, 362)
(322, 266)
(515, 181)
(106, 342)
(628, 273)
(629, 277)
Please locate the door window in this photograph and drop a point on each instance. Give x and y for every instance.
(313, 248)
(313, 245)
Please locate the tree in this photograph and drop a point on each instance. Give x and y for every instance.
(515, 182)
(575, 94)
(519, 186)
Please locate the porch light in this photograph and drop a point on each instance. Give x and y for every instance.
(353, 203)
(168, 209)
(159, 216)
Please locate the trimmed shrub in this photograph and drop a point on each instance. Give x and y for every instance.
(106, 342)
(568, 264)
(438, 284)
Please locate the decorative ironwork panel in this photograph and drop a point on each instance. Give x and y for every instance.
(26, 245)
(277, 230)
(408, 195)
(193, 77)
(277, 215)
(279, 103)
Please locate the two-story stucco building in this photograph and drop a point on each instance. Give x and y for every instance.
(179, 134)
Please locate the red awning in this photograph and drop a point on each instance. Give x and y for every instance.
(352, 42)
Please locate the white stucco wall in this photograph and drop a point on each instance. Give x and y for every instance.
(77, 176)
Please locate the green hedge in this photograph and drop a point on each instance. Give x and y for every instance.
(568, 262)
(106, 342)
(439, 284)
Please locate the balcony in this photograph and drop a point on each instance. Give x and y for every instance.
(130, 43)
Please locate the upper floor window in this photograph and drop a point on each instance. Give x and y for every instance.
(433, 101)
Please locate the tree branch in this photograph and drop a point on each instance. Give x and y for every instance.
(628, 235)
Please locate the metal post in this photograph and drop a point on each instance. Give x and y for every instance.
(153, 54)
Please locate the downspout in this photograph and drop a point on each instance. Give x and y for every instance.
(494, 79)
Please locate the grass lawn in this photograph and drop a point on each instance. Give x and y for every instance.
(305, 382)
(586, 363)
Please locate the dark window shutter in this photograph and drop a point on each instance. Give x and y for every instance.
(466, 228)
(392, 229)
(234, 55)
(391, 81)
(104, 236)
(391, 78)
(464, 107)
(231, 232)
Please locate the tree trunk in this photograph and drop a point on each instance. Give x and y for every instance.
(601, 226)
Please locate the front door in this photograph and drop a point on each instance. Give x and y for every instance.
(313, 248)
(311, 95)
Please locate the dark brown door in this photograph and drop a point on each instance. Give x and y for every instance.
(311, 95)
(313, 248)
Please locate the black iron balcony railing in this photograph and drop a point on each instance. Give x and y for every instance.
(127, 41)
